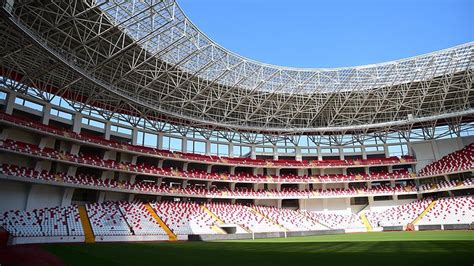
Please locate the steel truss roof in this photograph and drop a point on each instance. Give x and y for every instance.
(147, 59)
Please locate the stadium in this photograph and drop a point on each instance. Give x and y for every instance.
(130, 137)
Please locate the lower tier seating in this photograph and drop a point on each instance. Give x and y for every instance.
(183, 218)
(459, 210)
(140, 219)
(337, 220)
(399, 215)
(107, 220)
(243, 216)
(58, 221)
(292, 220)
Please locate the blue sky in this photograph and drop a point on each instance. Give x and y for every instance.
(333, 33)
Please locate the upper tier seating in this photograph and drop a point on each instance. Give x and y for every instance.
(447, 184)
(460, 160)
(184, 217)
(140, 219)
(26, 122)
(43, 222)
(398, 215)
(336, 220)
(243, 216)
(459, 210)
(142, 186)
(290, 219)
(107, 220)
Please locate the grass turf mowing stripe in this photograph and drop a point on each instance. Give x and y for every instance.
(443, 248)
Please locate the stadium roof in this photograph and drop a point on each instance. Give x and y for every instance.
(147, 58)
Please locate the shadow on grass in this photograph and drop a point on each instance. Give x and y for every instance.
(308, 253)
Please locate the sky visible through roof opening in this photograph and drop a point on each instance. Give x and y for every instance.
(333, 33)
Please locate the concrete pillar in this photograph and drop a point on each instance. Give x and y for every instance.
(159, 180)
(277, 171)
(160, 140)
(341, 153)
(232, 186)
(298, 155)
(371, 200)
(253, 152)
(160, 163)
(158, 198)
(134, 136)
(279, 201)
(131, 197)
(46, 113)
(390, 168)
(101, 197)
(47, 142)
(208, 147)
(275, 153)
(364, 153)
(72, 171)
(77, 123)
(109, 155)
(10, 102)
(320, 155)
(185, 166)
(132, 179)
(107, 175)
(255, 186)
(254, 171)
(75, 148)
(43, 165)
(67, 197)
(185, 183)
(134, 159)
(184, 144)
(231, 150)
(232, 170)
(209, 168)
(5, 133)
(107, 129)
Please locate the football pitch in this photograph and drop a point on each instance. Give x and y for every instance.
(387, 248)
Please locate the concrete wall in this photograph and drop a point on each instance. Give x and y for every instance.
(42, 196)
(13, 195)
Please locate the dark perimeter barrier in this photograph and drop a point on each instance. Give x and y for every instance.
(211, 237)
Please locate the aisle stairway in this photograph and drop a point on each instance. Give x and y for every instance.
(171, 235)
(268, 218)
(86, 225)
(425, 211)
(215, 228)
(366, 222)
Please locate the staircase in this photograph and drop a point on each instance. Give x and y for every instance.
(214, 228)
(86, 225)
(268, 218)
(171, 235)
(366, 222)
(424, 212)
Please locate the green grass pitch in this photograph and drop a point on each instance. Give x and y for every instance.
(454, 248)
